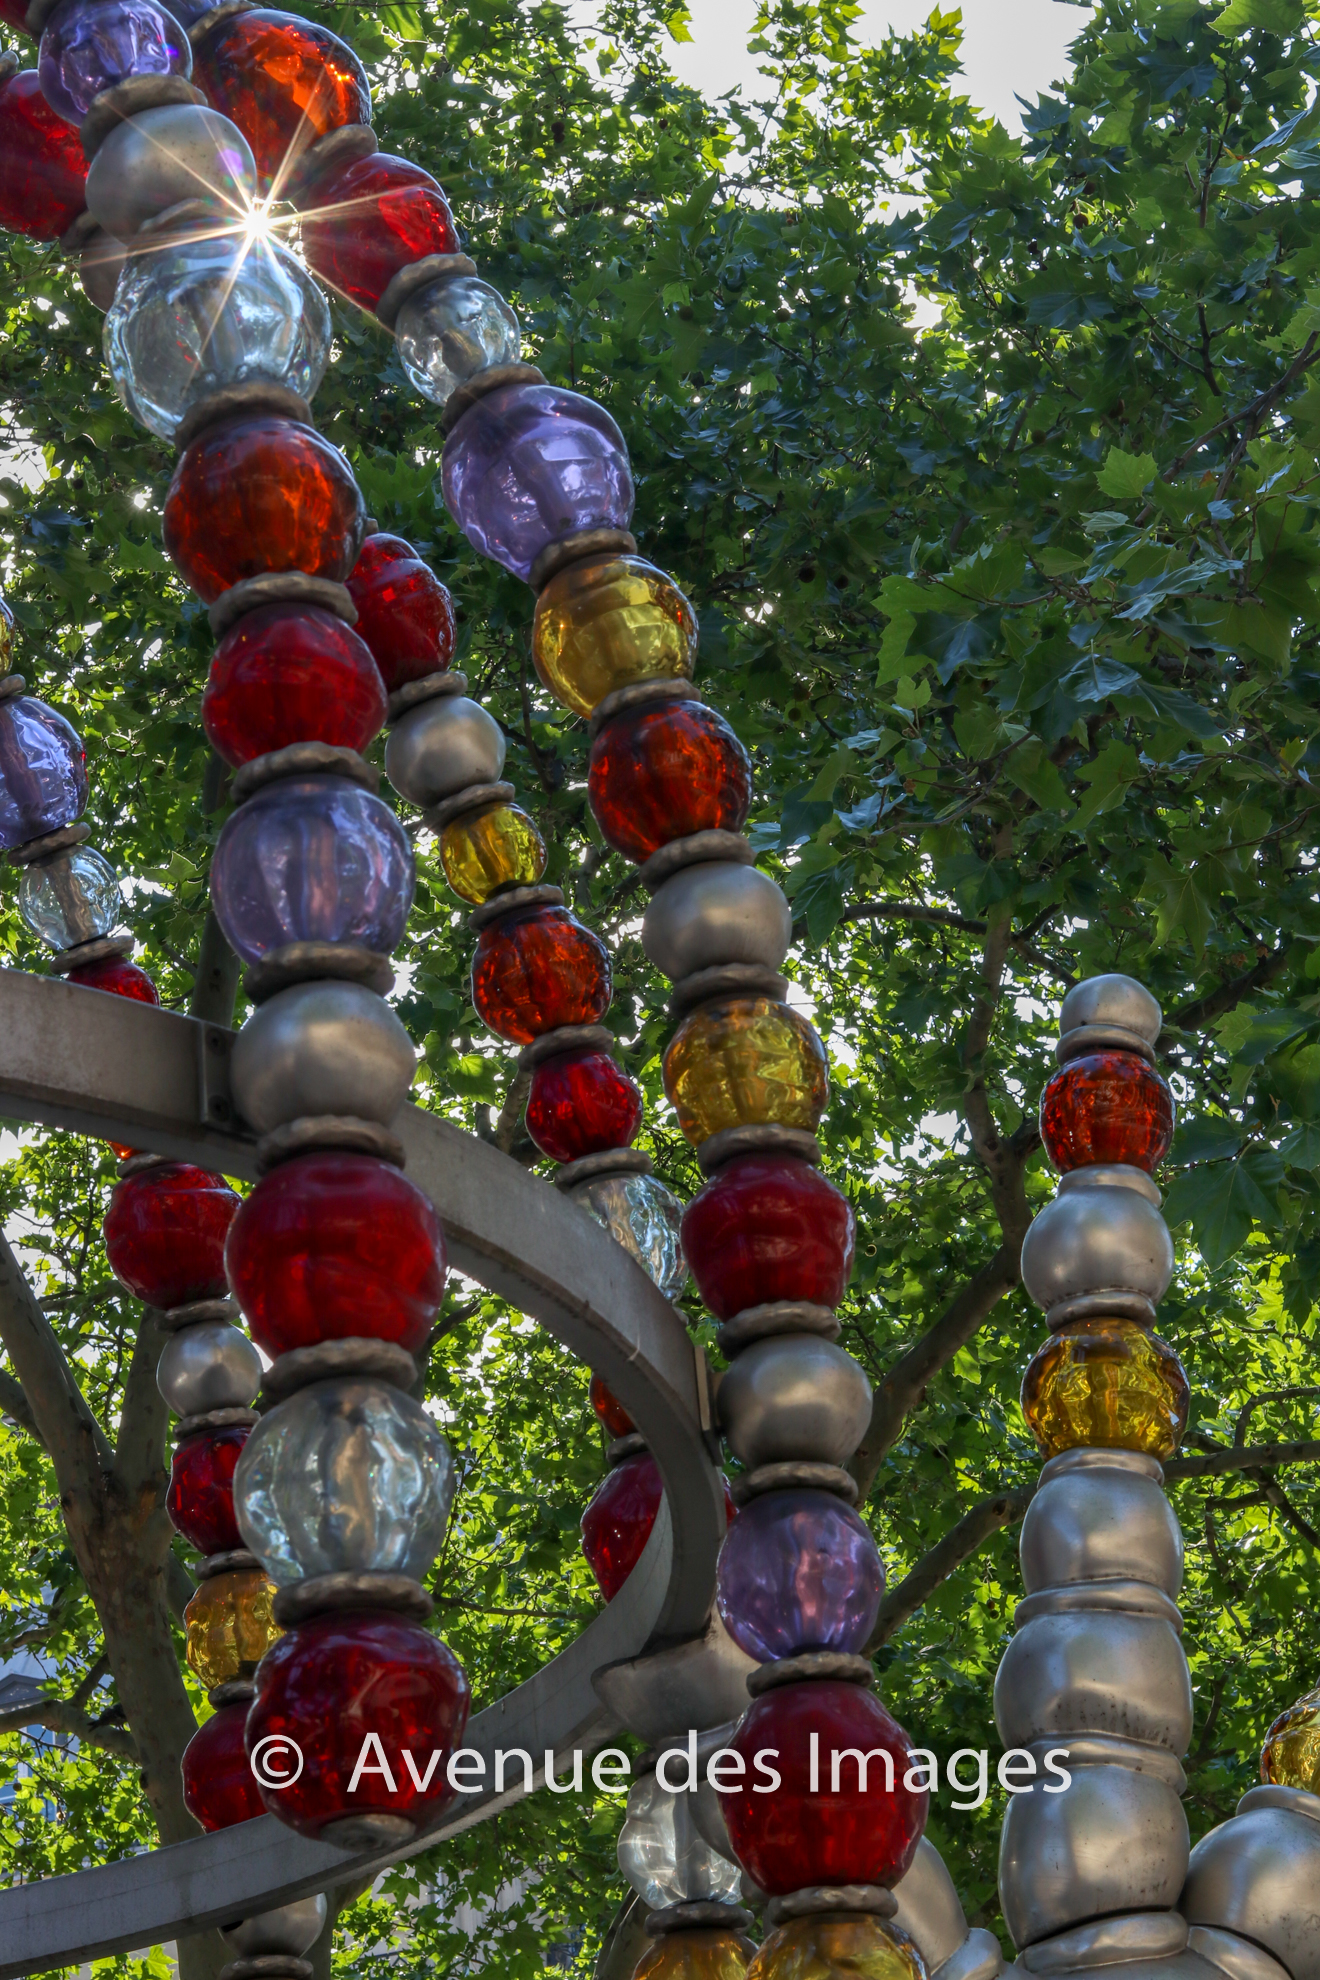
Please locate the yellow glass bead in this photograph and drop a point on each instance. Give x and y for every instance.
(603, 624)
(6, 637)
(1106, 1382)
(1290, 1756)
(483, 851)
(745, 1059)
(838, 1946)
(713, 1955)
(230, 1625)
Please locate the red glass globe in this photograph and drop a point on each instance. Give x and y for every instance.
(371, 218)
(43, 172)
(119, 977)
(333, 1681)
(1107, 1107)
(617, 1523)
(795, 1835)
(291, 673)
(201, 1495)
(614, 1418)
(14, 14)
(333, 1245)
(405, 614)
(261, 494)
(769, 1227)
(581, 1103)
(219, 1787)
(536, 969)
(285, 82)
(662, 773)
(165, 1233)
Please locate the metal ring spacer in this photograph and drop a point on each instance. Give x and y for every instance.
(609, 1162)
(254, 395)
(312, 1132)
(837, 1665)
(82, 953)
(580, 546)
(776, 1317)
(303, 759)
(238, 1560)
(817, 1899)
(330, 1360)
(639, 694)
(511, 901)
(697, 849)
(429, 688)
(476, 387)
(214, 1419)
(757, 1138)
(567, 1038)
(405, 282)
(784, 1477)
(280, 588)
(326, 1594)
(304, 962)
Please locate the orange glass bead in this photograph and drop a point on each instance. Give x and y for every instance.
(663, 773)
(1106, 1383)
(614, 1418)
(482, 851)
(1290, 1756)
(602, 624)
(261, 494)
(745, 1059)
(704, 1955)
(1106, 1107)
(230, 1625)
(285, 82)
(536, 970)
(837, 1946)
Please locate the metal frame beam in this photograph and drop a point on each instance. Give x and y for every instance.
(101, 1065)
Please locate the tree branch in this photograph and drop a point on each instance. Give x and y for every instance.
(987, 1517)
(1215, 1463)
(61, 1715)
(61, 1417)
(1194, 1016)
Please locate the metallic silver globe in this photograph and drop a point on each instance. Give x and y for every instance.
(321, 1048)
(442, 746)
(1093, 1241)
(1258, 1876)
(1105, 1520)
(1116, 1004)
(210, 1366)
(160, 157)
(716, 913)
(794, 1396)
(291, 1929)
(1095, 1671)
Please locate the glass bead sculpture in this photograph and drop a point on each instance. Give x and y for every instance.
(838, 1946)
(695, 1955)
(529, 464)
(209, 309)
(581, 1103)
(1290, 1756)
(663, 1854)
(200, 1500)
(219, 1786)
(607, 622)
(71, 898)
(617, 1523)
(799, 1571)
(165, 1230)
(312, 859)
(745, 1059)
(43, 771)
(769, 1227)
(285, 82)
(349, 1474)
(365, 220)
(659, 774)
(405, 614)
(291, 673)
(613, 1417)
(1107, 1107)
(334, 1680)
(646, 1218)
(334, 1245)
(535, 969)
(485, 851)
(229, 1625)
(1106, 1382)
(88, 46)
(800, 1834)
(261, 493)
(451, 330)
(117, 976)
(43, 169)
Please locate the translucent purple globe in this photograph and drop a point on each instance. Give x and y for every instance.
(312, 859)
(798, 1571)
(528, 464)
(43, 771)
(90, 45)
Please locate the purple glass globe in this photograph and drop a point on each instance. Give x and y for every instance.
(798, 1571)
(312, 859)
(43, 771)
(528, 464)
(90, 45)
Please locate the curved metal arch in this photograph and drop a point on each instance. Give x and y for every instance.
(78, 1059)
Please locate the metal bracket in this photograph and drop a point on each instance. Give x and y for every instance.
(215, 1094)
(708, 1383)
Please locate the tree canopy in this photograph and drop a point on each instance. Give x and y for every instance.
(990, 462)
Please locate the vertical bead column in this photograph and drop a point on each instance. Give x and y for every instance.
(1096, 1674)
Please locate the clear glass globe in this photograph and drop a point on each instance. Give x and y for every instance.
(349, 1475)
(70, 899)
(646, 1219)
(663, 1854)
(453, 329)
(207, 310)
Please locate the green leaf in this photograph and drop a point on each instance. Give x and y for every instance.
(1230, 1198)
(1280, 17)
(1125, 475)
(1029, 767)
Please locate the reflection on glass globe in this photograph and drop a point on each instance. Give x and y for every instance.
(450, 330)
(348, 1475)
(646, 1219)
(88, 46)
(70, 899)
(206, 311)
(663, 1854)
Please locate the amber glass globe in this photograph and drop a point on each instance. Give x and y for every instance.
(1106, 1383)
(745, 1059)
(606, 623)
